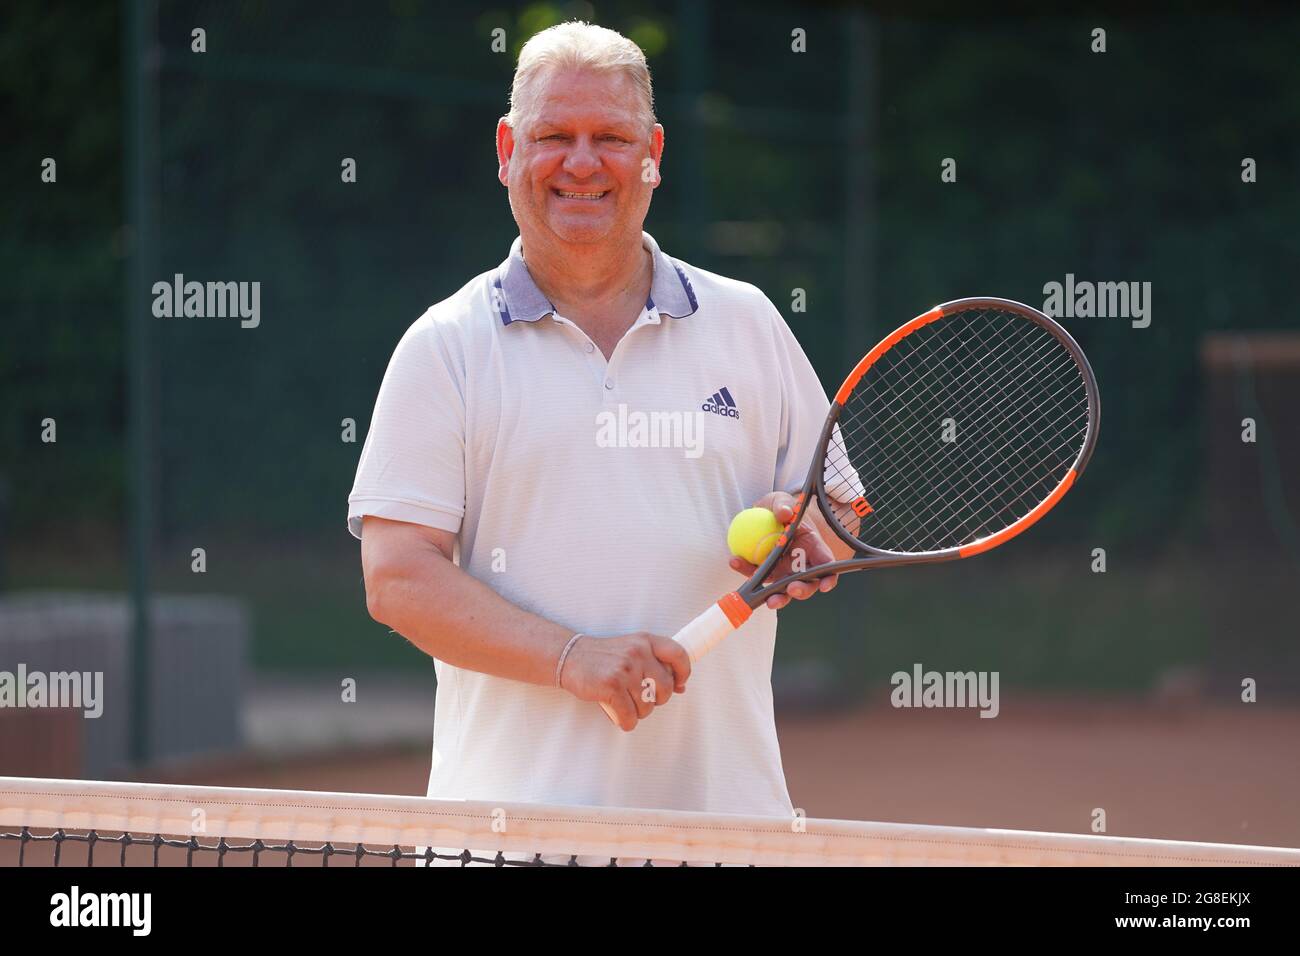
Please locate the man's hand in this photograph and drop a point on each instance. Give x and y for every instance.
(633, 674)
(808, 540)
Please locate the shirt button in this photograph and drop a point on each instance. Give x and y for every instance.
(609, 383)
(590, 347)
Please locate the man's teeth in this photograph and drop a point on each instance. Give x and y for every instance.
(568, 195)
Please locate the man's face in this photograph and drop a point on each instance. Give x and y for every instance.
(578, 166)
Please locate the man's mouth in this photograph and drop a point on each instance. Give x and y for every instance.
(584, 196)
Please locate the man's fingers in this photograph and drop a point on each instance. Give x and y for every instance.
(810, 539)
(780, 503)
(783, 508)
(676, 661)
(743, 566)
(657, 688)
(801, 590)
(625, 711)
(645, 704)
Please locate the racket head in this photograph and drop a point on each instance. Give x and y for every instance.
(956, 433)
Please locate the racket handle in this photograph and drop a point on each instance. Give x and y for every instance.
(705, 632)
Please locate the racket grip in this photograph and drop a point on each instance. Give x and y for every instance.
(705, 632)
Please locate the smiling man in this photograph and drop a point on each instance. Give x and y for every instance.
(540, 563)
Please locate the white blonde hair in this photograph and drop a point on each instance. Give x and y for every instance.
(581, 46)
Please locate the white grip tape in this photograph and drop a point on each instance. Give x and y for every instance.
(704, 633)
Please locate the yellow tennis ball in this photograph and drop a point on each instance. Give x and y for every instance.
(753, 534)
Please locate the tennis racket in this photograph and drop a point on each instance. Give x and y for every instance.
(953, 435)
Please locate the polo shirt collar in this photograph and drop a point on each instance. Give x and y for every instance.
(519, 299)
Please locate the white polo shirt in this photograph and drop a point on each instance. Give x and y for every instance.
(597, 495)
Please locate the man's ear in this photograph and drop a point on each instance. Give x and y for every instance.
(657, 153)
(505, 149)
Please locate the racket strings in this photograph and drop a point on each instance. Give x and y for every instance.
(1031, 492)
(960, 453)
(893, 388)
(957, 432)
(945, 505)
(1021, 497)
(919, 443)
(910, 454)
(924, 394)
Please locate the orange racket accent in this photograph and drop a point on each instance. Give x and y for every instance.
(861, 508)
(889, 342)
(785, 537)
(734, 606)
(1044, 506)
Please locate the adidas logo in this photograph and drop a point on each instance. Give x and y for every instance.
(721, 403)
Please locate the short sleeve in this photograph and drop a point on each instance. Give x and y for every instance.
(412, 465)
(803, 408)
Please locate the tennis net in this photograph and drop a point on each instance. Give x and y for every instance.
(47, 822)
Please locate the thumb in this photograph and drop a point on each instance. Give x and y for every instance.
(780, 503)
